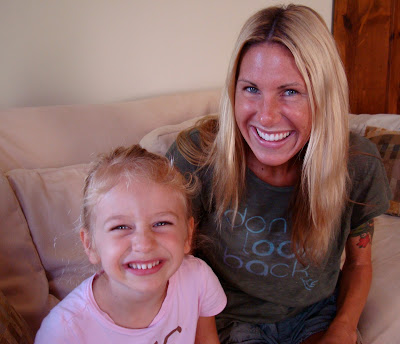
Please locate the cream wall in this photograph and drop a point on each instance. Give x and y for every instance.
(97, 51)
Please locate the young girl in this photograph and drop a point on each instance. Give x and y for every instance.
(136, 226)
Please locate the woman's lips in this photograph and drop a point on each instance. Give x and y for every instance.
(274, 136)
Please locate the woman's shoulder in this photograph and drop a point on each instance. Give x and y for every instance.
(189, 136)
(179, 158)
(192, 145)
(361, 145)
(201, 132)
(364, 159)
(362, 152)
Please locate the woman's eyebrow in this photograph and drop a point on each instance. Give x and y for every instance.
(247, 81)
(291, 84)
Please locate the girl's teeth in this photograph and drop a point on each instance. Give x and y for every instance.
(144, 266)
(273, 137)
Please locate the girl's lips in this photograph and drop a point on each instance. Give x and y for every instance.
(273, 137)
(144, 268)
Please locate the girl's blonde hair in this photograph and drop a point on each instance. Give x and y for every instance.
(321, 193)
(129, 164)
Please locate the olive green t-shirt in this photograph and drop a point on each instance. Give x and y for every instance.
(263, 280)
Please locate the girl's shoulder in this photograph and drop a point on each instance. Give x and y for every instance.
(203, 282)
(195, 268)
(62, 318)
(75, 302)
(191, 262)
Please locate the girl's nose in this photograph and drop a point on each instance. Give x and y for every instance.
(269, 112)
(143, 240)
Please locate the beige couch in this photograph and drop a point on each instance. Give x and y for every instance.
(43, 156)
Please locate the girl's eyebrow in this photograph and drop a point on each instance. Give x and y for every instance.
(116, 217)
(168, 212)
(126, 218)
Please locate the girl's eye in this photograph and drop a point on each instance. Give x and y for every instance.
(290, 92)
(251, 89)
(120, 227)
(162, 223)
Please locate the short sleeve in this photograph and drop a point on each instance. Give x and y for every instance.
(212, 298)
(370, 192)
(54, 330)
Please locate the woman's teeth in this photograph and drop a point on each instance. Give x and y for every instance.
(273, 137)
(143, 266)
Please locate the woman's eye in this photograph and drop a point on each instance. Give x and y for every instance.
(290, 92)
(251, 89)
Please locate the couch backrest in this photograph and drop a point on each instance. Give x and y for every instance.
(56, 136)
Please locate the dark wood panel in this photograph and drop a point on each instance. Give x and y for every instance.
(367, 33)
(393, 104)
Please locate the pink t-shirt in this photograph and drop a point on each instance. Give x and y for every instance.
(193, 291)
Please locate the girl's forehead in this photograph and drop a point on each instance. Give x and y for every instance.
(144, 190)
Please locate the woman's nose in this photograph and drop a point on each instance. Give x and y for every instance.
(269, 112)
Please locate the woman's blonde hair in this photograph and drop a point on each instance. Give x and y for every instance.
(129, 164)
(321, 193)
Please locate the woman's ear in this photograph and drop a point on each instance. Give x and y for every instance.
(188, 240)
(88, 246)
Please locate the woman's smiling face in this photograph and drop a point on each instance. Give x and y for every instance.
(272, 107)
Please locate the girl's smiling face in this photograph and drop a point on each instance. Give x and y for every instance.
(140, 235)
(272, 108)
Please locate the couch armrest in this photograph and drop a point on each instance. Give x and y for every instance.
(13, 328)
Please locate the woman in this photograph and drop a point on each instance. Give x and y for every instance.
(285, 188)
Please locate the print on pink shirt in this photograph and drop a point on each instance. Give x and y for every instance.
(178, 329)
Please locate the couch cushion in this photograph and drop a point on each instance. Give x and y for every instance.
(380, 321)
(388, 143)
(22, 277)
(51, 199)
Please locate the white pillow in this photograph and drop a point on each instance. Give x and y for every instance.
(159, 140)
(358, 123)
(380, 321)
(51, 199)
